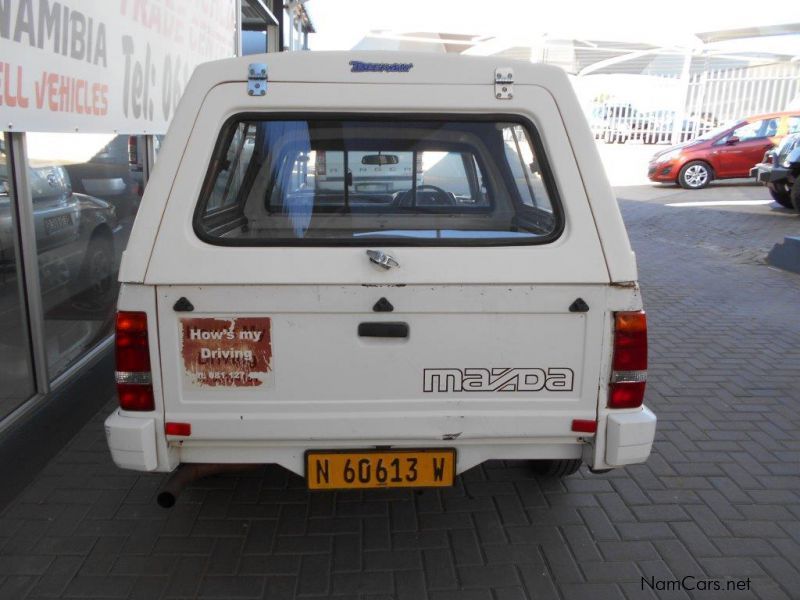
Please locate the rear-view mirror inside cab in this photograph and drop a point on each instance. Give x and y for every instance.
(380, 159)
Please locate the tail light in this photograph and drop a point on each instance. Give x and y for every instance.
(320, 164)
(134, 380)
(629, 366)
(181, 429)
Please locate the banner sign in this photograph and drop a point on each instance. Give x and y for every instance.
(110, 66)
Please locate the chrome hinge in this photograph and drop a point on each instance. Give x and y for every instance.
(504, 83)
(256, 79)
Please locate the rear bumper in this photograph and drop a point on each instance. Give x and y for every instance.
(629, 437)
(767, 173)
(132, 441)
(138, 443)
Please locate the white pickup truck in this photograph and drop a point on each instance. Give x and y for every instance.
(386, 335)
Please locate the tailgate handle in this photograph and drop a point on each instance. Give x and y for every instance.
(383, 329)
(382, 259)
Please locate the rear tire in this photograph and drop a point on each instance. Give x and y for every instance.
(781, 193)
(95, 286)
(557, 468)
(694, 175)
(795, 195)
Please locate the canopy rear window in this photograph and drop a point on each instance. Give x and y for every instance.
(350, 181)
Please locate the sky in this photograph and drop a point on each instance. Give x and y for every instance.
(342, 23)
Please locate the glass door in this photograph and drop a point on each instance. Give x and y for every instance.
(16, 366)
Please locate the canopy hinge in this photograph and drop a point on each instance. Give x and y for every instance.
(257, 79)
(504, 83)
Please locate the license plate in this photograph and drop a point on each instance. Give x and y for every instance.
(344, 470)
(53, 224)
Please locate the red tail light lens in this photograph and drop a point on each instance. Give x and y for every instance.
(630, 341)
(134, 380)
(628, 394)
(584, 426)
(133, 354)
(629, 366)
(135, 396)
(182, 429)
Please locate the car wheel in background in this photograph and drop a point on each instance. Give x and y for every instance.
(795, 195)
(96, 279)
(694, 175)
(780, 193)
(556, 468)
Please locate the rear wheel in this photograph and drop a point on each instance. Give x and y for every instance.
(795, 195)
(95, 288)
(556, 468)
(781, 193)
(694, 175)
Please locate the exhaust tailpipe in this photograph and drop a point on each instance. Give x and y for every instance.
(186, 473)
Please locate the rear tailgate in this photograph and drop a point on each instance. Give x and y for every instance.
(484, 362)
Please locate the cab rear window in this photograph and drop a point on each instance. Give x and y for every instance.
(351, 181)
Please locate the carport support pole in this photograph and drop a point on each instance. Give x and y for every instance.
(683, 96)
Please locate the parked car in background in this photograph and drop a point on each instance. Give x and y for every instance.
(75, 237)
(724, 153)
(662, 124)
(111, 174)
(780, 172)
(618, 123)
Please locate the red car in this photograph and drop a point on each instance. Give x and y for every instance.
(724, 153)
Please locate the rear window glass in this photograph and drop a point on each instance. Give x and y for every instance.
(333, 181)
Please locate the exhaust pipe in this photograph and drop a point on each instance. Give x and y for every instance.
(186, 473)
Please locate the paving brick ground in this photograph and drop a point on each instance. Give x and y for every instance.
(718, 499)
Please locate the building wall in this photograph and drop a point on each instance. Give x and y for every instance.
(88, 90)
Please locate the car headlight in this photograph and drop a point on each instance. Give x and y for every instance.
(670, 155)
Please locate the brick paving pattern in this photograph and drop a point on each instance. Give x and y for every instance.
(718, 498)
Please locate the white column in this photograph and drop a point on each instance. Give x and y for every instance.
(237, 40)
(680, 107)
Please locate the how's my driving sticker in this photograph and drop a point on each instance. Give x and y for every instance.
(227, 352)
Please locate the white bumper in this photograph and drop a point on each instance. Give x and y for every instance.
(629, 437)
(134, 445)
(132, 442)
